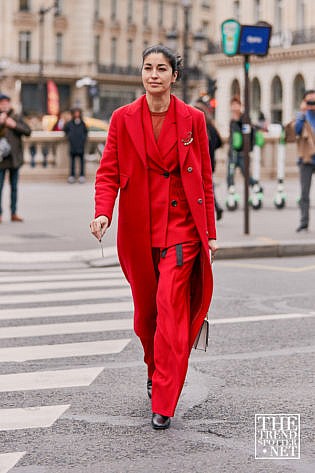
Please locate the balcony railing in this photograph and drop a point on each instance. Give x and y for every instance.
(118, 70)
(303, 36)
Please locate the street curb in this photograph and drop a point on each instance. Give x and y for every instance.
(17, 261)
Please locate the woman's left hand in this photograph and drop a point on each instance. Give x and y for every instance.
(213, 248)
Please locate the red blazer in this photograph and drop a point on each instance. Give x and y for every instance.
(124, 166)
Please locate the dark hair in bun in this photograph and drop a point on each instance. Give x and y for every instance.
(174, 60)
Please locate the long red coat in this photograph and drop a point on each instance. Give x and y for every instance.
(123, 166)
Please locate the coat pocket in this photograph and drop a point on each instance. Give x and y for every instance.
(123, 181)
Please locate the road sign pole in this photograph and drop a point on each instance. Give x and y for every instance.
(247, 144)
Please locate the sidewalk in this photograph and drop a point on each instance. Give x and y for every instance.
(57, 216)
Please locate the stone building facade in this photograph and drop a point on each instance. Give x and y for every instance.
(278, 80)
(99, 40)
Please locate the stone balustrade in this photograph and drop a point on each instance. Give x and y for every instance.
(47, 157)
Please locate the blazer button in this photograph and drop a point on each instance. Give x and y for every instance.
(174, 203)
(199, 201)
(189, 169)
(166, 174)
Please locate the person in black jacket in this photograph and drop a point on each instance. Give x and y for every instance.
(12, 128)
(76, 132)
(215, 142)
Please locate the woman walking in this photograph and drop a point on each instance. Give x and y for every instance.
(157, 154)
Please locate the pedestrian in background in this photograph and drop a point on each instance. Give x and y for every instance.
(215, 142)
(77, 133)
(157, 154)
(235, 153)
(305, 132)
(12, 128)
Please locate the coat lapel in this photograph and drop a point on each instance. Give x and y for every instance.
(133, 120)
(168, 135)
(184, 129)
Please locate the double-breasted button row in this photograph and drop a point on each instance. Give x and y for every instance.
(200, 201)
(174, 203)
(189, 169)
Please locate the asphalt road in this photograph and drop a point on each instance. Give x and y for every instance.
(72, 379)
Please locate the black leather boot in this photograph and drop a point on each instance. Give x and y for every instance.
(160, 422)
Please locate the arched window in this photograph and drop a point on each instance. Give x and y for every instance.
(255, 99)
(235, 88)
(298, 91)
(276, 100)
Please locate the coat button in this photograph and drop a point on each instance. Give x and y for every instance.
(189, 169)
(174, 203)
(199, 201)
(166, 174)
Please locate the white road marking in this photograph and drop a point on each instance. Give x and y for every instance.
(63, 277)
(52, 285)
(260, 318)
(30, 417)
(48, 379)
(65, 350)
(8, 460)
(22, 331)
(66, 310)
(65, 296)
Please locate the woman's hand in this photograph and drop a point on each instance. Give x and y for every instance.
(213, 248)
(99, 226)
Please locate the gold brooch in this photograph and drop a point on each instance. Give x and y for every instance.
(188, 140)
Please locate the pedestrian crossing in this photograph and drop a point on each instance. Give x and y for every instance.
(32, 307)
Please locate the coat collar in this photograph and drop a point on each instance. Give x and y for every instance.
(133, 120)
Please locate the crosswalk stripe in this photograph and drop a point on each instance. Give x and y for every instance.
(8, 460)
(63, 277)
(66, 310)
(48, 379)
(48, 286)
(22, 331)
(65, 350)
(30, 417)
(65, 296)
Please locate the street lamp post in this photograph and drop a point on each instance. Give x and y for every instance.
(42, 12)
(186, 7)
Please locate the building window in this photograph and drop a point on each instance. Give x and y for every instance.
(300, 15)
(278, 16)
(96, 9)
(130, 52)
(59, 47)
(255, 99)
(174, 17)
(113, 51)
(236, 9)
(298, 92)
(24, 5)
(113, 9)
(235, 88)
(59, 6)
(161, 13)
(276, 100)
(145, 12)
(130, 11)
(25, 46)
(257, 10)
(97, 42)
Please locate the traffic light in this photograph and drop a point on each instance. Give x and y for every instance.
(212, 86)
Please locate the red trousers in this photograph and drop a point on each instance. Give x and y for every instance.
(166, 351)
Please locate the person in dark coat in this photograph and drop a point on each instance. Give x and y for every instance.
(77, 133)
(157, 154)
(12, 128)
(215, 142)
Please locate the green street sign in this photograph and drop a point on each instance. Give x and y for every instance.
(230, 30)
